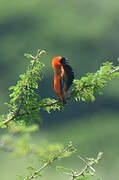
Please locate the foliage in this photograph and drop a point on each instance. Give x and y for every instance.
(18, 140)
(25, 102)
(87, 87)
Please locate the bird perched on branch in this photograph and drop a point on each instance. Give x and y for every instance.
(63, 76)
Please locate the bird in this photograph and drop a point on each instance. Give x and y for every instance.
(63, 76)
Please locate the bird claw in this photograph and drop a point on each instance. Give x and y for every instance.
(63, 101)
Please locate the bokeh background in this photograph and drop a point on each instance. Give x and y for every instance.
(86, 32)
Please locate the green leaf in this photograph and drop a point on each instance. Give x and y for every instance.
(61, 168)
(31, 168)
(19, 177)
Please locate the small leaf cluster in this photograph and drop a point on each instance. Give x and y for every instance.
(49, 104)
(87, 87)
(24, 97)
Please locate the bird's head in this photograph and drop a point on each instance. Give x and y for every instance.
(56, 61)
(59, 61)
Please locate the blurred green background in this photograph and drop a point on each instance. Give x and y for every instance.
(86, 32)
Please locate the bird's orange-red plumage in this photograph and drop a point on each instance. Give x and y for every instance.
(63, 76)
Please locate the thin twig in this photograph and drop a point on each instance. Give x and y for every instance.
(89, 166)
(15, 114)
(114, 70)
(74, 174)
(35, 173)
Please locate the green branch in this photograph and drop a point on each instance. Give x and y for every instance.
(25, 102)
(87, 171)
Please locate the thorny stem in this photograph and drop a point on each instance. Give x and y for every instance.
(75, 175)
(90, 165)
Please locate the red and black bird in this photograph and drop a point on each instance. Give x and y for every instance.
(63, 76)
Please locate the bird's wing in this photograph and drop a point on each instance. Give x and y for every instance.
(68, 74)
(61, 85)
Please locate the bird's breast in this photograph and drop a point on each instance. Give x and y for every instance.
(59, 71)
